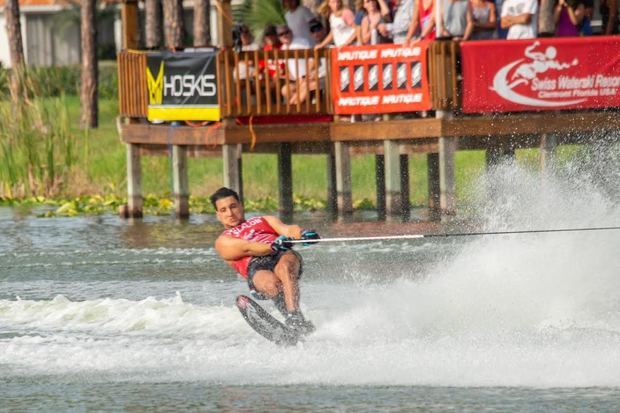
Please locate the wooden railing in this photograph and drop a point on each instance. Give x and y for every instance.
(443, 75)
(258, 83)
(132, 87)
(275, 82)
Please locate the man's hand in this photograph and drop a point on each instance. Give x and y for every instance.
(281, 244)
(309, 235)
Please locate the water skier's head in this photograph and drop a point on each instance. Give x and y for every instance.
(228, 207)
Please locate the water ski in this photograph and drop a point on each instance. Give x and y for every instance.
(265, 324)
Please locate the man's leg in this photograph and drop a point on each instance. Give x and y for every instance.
(287, 272)
(267, 283)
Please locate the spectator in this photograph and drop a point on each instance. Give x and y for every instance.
(568, 16)
(609, 15)
(271, 42)
(243, 39)
(317, 31)
(501, 32)
(341, 22)
(295, 68)
(402, 19)
(588, 12)
(270, 38)
(423, 21)
(360, 13)
(520, 18)
(454, 17)
(374, 24)
(481, 20)
(297, 18)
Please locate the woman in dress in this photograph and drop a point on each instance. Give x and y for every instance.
(568, 16)
(481, 20)
(341, 23)
(374, 28)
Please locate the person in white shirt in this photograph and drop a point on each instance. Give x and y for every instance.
(298, 18)
(520, 18)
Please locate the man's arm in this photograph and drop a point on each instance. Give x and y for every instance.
(231, 249)
(293, 231)
(508, 21)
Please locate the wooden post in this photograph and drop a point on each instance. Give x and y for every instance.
(404, 187)
(233, 176)
(447, 148)
(285, 181)
(548, 143)
(393, 190)
(224, 23)
(432, 160)
(344, 199)
(380, 184)
(180, 182)
(129, 24)
(134, 179)
(332, 195)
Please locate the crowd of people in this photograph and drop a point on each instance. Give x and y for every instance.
(369, 22)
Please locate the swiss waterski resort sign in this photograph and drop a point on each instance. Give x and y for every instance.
(541, 74)
(380, 79)
(182, 86)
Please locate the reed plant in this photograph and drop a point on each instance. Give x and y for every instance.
(37, 147)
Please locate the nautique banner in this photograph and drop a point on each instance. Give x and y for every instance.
(541, 74)
(380, 79)
(182, 86)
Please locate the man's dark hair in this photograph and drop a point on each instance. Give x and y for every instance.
(221, 193)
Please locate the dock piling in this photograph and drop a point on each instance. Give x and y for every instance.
(393, 191)
(344, 198)
(180, 181)
(134, 182)
(380, 185)
(233, 176)
(285, 181)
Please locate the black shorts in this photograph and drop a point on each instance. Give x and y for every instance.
(268, 262)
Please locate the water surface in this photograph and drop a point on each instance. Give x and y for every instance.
(97, 313)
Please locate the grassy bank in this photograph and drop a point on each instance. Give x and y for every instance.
(90, 174)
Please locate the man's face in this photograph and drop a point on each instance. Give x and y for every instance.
(229, 212)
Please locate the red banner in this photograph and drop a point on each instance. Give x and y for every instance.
(380, 79)
(541, 74)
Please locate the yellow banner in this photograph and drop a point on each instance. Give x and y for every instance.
(155, 113)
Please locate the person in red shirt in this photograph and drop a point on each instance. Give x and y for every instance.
(259, 250)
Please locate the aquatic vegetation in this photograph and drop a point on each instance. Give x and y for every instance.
(153, 205)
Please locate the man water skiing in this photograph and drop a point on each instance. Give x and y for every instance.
(260, 251)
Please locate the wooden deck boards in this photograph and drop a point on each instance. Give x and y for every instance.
(523, 130)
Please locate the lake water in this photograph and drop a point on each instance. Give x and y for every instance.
(97, 313)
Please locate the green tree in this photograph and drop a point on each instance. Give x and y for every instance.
(257, 14)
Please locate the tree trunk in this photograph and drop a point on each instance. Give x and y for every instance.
(174, 26)
(202, 23)
(88, 94)
(546, 25)
(16, 46)
(153, 29)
